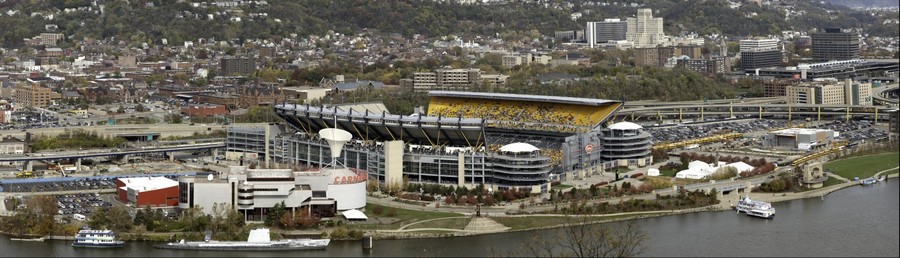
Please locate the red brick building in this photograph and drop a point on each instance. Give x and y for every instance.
(204, 110)
(144, 191)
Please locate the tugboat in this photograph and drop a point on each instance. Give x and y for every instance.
(755, 208)
(97, 238)
(258, 240)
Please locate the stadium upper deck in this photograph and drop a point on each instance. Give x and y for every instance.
(529, 112)
(368, 126)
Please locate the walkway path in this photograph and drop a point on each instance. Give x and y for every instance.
(482, 224)
(428, 220)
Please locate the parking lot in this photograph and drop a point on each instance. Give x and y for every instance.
(83, 203)
(58, 184)
(686, 132)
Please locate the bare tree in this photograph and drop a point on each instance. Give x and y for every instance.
(581, 238)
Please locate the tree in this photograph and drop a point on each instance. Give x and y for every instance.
(582, 239)
(98, 219)
(274, 216)
(118, 219)
(173, 119)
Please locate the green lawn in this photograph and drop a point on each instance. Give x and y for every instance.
(517, 223)
(402, 217)
(863, 167)
(831, 181)
(451, 223)
(895, 171)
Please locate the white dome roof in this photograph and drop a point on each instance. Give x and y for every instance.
(625, 126)
(518, 147)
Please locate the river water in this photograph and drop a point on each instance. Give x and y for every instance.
(856, 221)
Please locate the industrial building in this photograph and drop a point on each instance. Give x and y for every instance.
(139, 192)
(799, 138)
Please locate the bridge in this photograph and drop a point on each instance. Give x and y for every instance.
(28, 158)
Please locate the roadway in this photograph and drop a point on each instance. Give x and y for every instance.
(113, 152)
(115, 130)
(880, 95)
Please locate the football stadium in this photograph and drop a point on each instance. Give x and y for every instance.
(501, 141)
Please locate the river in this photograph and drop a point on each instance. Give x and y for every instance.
(856, 221)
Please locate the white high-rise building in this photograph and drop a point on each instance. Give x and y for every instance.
(605, 31)
(645, 30)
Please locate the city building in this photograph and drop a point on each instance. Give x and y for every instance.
(236, 66)
(305, 93)
(139, 192)
(644, 30)
(254, 192)
(204, 110)
(834, 45)
(525, 59)
(33, 95)
(449, 79)
(659, 56)
(799, 138)
(569, 35)
(11, 146)
(605, 31)
(713, 65)
(759, 53)
(776, 87)
(830, 92)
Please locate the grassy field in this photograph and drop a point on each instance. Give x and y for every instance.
(399, 217)
(863, 167)
(516, 223)
(895, 171)
(831, 181)
(451, 223)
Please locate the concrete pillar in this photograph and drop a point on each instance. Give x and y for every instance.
(461, 169)
(29, 165)
(78, 163)
(215, 152)
(171, 156)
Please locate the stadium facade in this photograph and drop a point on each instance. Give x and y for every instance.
(501, 141)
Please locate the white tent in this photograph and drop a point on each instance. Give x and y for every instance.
(653, 172)
(354, 215)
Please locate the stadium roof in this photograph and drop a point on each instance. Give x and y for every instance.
(625, 126)
(519, 147)
(522, 97)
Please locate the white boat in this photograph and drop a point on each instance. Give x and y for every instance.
(96, 238)
(258, 240)
(755, 208)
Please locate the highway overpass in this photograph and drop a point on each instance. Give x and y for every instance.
(159, 130)
(702, 111)
(109, 153)
(886, 95)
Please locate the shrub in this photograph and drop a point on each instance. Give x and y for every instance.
(636, 175)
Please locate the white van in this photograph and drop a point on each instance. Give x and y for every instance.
(79, 217)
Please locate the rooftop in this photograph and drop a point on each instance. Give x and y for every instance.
(142, 184)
